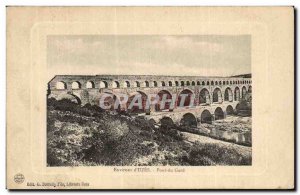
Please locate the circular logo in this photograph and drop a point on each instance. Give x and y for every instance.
(19, 178)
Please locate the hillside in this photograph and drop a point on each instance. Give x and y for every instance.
(79, 136)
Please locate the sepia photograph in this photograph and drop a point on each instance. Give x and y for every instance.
(176, 100)
(150, 98)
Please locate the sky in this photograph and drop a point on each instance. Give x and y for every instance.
(190, 55)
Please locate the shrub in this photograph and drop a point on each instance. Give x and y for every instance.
(213, 154)
(115, 130)
(65, 105)
(106, 141)
(173, 133)
(64, 143)
(68, 105)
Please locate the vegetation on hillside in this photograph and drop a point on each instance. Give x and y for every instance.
(87, 135)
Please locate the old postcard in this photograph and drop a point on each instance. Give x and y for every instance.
(150, 98)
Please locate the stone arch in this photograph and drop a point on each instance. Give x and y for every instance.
(182, 83)
(166, 122)
(146, 84)
(228, 95)
(71, 97)
(230, 82)
(193, 83)
(220, 82)
(237, 94)
(250, 89)
(219, 113)
(103, 84)
(61, 85)
(111, 101)
(84, 96)
(161, 94)
(229, 110)
(170, 83)
(126, 84)
(188, 83)
(203, 83)
(115, 84)
(237, 107)
(216, 82)
(154, 84)
(90, 85)
(244, 92)
(217, 95)
(76, 85)
(224, 83)
(140, 108)
(206, 117)
(212, 83)
(176, 83)
(188, 120)
(163, 84)
(188, 94)
(227, 82)
(198, 82)
(136, 84)
(204, 97)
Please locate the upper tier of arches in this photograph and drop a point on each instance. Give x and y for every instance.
(115, 84)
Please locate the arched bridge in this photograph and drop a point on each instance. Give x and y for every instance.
(213, 97)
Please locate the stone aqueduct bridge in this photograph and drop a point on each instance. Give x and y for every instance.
(214, 97)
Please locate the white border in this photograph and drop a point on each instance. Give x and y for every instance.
(5, 3)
